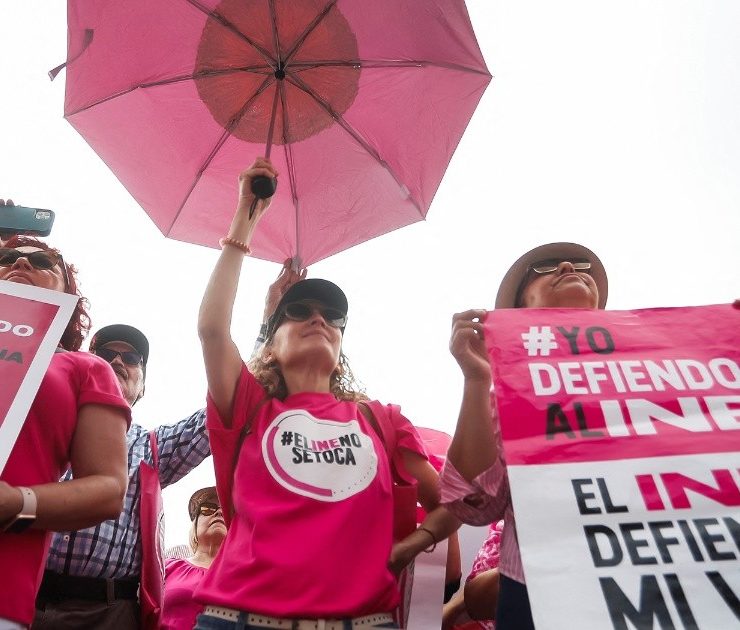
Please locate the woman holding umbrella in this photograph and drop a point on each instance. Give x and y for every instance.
(310, 506)
(78, 416)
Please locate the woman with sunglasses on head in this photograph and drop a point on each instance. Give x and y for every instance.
(78, 417)
(207, 533)
(301, 472)
(475, 484)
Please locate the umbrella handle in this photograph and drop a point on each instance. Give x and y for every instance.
(263, 187)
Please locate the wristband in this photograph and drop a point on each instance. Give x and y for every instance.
(26, 516)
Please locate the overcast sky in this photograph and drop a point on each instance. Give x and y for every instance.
(614, 124)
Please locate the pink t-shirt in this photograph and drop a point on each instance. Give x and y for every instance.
(40, 456)
(312, 528)
(180, 609)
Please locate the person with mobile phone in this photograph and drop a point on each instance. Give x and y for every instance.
(22, 220)
(78, 416)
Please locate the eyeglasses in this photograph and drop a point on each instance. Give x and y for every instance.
(129, 358)
(42, 259)
(302, 311)
(208, 509)
(551, 265)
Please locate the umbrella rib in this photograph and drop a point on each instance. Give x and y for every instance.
(275, 34)
(309, 29)
(385, 63)
(220, 142)
(178, 79)
(340, 120)
(231, 27)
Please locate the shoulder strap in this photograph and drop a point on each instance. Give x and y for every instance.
(246, 430)
(155, 452)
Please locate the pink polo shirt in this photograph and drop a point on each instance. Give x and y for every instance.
(40, 455)
(312, 528)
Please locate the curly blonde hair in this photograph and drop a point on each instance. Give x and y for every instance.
(342, 382)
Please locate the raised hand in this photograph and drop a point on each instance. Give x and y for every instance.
(468, 346)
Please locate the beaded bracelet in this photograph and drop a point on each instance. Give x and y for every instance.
(235, 243)
(434, 539)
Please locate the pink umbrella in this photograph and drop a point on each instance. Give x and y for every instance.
(362, 102)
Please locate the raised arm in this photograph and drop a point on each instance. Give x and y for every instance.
(222, 359)
(473, 449)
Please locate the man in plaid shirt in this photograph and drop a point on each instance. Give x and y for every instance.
(92, 576)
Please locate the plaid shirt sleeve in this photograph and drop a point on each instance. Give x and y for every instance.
(182, 447)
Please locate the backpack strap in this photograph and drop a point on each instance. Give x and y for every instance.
(246, 430)
(155, 452)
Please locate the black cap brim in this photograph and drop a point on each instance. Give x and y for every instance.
(317, 289)
(122, 332)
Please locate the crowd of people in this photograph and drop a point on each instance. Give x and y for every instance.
(306, 465)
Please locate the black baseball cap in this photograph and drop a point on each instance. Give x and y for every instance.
(317, 289)
(122, 332)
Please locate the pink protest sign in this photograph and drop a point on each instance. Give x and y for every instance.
(620, 432)
(32, 321)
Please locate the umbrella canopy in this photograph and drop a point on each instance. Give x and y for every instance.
(363, 103)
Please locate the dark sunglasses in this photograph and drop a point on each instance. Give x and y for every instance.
(208, 509)
(550, 265)
(129, 358)
(301, 311)
(43, 259)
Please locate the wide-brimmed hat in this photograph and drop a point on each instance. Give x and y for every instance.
(201, 496)
(122, 332)
(324, 291)
(507, 292)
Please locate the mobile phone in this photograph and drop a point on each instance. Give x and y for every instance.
(23, 220)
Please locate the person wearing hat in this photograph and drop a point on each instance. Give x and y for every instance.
(93, 576)
(474, 481)
(207, 532)
(303, 475)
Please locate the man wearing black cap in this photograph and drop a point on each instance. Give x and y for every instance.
(93, 576)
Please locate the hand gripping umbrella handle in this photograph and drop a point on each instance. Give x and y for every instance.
(264, 187)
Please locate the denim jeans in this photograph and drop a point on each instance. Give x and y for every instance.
(206, 622)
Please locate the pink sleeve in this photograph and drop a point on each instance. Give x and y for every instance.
(490, 552)
(481, 501)
(407, 437)
(98, 385)
(225, 441)
(247, 395)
